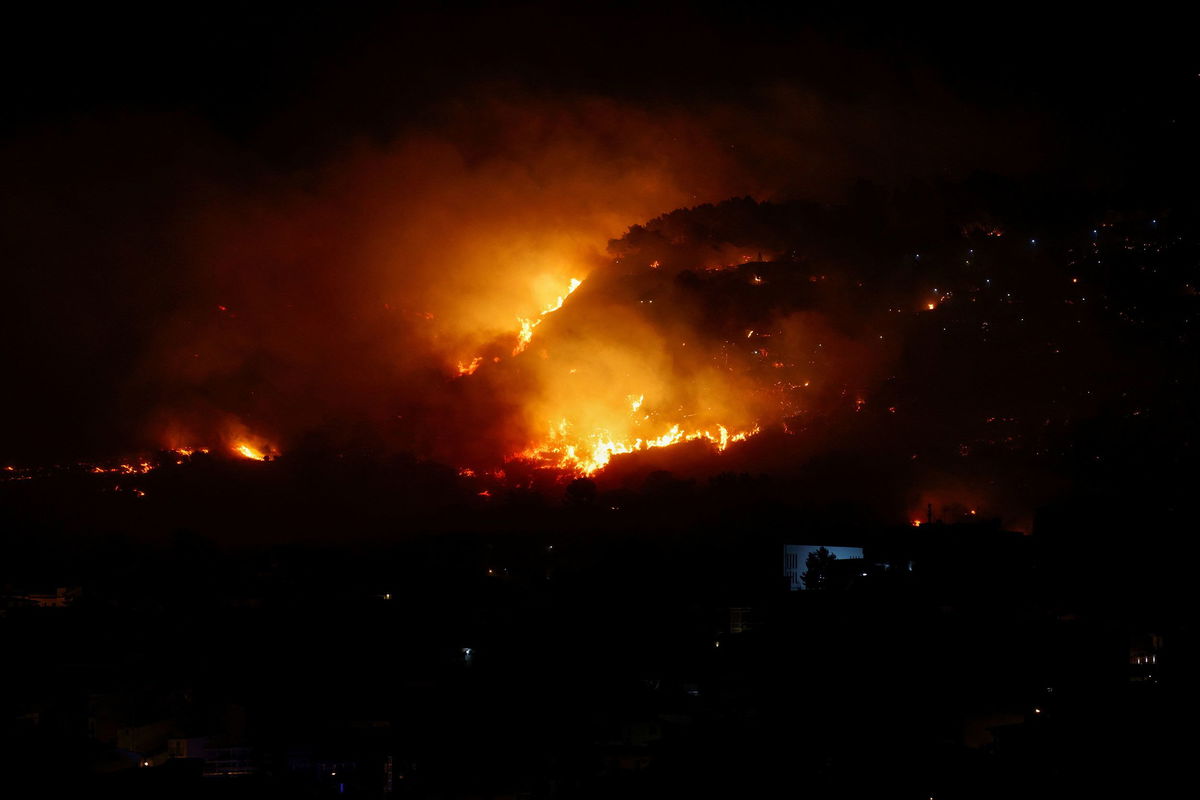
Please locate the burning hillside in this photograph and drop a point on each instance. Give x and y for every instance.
(495, 293)
(686, 333)
(767, 336)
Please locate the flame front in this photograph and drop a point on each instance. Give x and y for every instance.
(525, 334)
(574, 449)
(588, 418)
(590, 453)
(249, 451)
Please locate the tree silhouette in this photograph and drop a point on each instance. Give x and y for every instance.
(817, 567)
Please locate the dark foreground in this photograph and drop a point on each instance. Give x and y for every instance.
(966, 663)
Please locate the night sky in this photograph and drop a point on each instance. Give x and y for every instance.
(925, 258)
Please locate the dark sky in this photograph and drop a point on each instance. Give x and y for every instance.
(380, 65)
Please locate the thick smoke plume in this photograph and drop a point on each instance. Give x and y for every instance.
(176, 291)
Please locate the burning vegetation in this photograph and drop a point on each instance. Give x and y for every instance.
(815, 357)
(480, 299)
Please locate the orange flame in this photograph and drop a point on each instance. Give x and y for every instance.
(588, 454)
(249, 451)
(469, 368)
(525, 335)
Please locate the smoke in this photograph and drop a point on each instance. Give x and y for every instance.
(354, 292)
(175, 289)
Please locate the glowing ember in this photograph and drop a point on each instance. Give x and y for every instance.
(469, 369)
(141, 468)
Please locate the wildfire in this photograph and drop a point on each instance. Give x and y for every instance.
(140, 468)
(130, 467)
(525, 335)
(588, 454)
(589, 431)
(469, 369)
(246, 450)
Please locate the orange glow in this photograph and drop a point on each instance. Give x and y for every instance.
(587, 418)
(469, 369)
(525, 334)
(587, 454)
(245, 444)
(248, 451)
(140, 468)
(447, 248)
(619, 382)
(236, 439)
